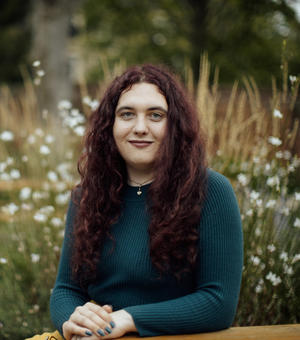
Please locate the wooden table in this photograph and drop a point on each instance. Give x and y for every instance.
(278, 332)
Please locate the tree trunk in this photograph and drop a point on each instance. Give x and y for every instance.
(50, 33)
(198, 34)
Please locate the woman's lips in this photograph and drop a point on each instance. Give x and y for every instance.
(140, 144)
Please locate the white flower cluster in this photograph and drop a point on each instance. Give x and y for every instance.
(93, 104)
(71, 117)
(275, 280)
(7, 173)
(7, 136)
(42, 215)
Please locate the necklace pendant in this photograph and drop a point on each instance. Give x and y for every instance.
(139, 192)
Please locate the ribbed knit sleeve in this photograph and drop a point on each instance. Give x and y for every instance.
(213, 304)
(67, 294)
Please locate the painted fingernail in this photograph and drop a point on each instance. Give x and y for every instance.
(88, 333)
(108, 330)
(113, 325)
(99, 331)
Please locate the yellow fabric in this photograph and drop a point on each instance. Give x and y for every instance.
(47, 336)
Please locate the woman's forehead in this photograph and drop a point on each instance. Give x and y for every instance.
(142, 94)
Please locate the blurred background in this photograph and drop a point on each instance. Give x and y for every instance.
(240, 60)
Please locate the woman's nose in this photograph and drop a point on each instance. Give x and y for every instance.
(140, 127)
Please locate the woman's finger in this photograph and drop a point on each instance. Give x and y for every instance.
(71, 330)
(103, 312)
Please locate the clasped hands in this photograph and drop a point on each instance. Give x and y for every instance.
(94, 322)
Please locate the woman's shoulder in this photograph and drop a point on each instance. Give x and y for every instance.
(219, 188)
(216, 179)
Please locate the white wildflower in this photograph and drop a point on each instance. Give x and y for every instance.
(10, 208)
(283, 256)
(40, 217)
(287, 155)
(52, 176)
(267, 167)
(63, 198)
(44, 150)
(60, 186)
(24, 159)
(242, 179)
(56, 222)
(3, 260)
(38, 195)
(9, 161)
(79, 130)
(3, 166)
(25, 193)
(37, 81)
(7, 136)
(285, 211)
(291, 168)
(277, 114)
(271, 204)
(39, 132)
(257, 231)
(31, 139)
(40, 73)
(272, 181)
(255, 260)
(287, 269)
(297, 196)
(274, 141)
(56, 249)
(259, 202)
(271, 248)
(297, 223)
(292, 79)
(35, 258)
(15, 174)
(249, 212)
(48, 209)
(279, 154)
(275, 280)
(49, 139)
(254, 195)
(259, 287)
(36, 63)
(256, 160)
(64, 105)
(296, 258)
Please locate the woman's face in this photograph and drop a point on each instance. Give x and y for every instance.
(140, 125)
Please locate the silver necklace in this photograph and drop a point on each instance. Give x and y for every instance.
(139, 191)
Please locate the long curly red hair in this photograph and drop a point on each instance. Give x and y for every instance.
(176, 195)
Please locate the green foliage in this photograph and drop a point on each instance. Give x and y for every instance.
(14, 38)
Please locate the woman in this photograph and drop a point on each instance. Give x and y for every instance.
(153, 236)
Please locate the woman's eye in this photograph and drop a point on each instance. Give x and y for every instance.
(126, 115)
(156, 116)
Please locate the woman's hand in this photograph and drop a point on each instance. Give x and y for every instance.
(89, 320)
(123, 324)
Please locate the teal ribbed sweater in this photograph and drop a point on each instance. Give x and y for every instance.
(204, 301)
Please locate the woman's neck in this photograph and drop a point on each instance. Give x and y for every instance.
(136, 178)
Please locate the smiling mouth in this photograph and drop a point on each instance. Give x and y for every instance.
(140, 143)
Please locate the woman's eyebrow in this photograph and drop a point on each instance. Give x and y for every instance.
(124, 108)
(159, 108)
